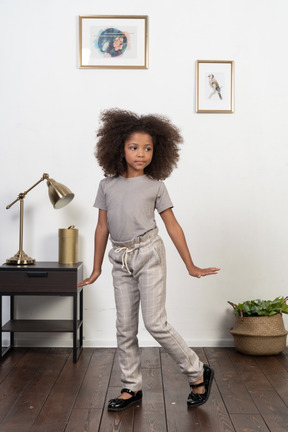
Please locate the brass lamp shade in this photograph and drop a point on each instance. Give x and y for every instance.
(59, 196)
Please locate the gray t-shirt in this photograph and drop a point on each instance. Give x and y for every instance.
(130, 204)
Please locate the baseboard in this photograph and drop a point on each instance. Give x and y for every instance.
(53, 340)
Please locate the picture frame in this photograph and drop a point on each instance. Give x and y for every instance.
(113, 42)
(215, 86)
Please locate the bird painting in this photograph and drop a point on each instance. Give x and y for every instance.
(215, 86)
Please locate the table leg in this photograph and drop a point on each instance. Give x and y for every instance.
(1, 325)
(12, 312)
(4, 350)
(81, 319)
(75, 301)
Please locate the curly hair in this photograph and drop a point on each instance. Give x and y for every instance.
(118, 125)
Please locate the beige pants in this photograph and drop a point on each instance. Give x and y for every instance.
(139, 276)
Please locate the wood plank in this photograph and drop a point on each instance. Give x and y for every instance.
(232, 389)
(86, 420)
(176, 390)
(213, 416)
(17, 381)
(27, 407)
(94, 387)
(116, 422)
(151, 414)
(249, 423)
(125, 419)
(10, 360)
(270, 405)
(145, 418)
(283, 358)
(276, 374)
(42, 390)
(58, 406)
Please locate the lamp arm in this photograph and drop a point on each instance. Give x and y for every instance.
(22, 195)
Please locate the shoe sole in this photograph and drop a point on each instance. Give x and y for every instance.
(126, 407)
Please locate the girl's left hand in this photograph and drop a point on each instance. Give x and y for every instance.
(198, 272)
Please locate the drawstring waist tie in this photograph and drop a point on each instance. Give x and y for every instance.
(130, 246)
(124, 256)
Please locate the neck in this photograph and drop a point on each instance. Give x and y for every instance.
(129, 174)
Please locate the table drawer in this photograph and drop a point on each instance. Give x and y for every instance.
(38, 281)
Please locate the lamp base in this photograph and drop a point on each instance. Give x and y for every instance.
(20, 258)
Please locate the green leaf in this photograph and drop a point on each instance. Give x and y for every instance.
(260, 307)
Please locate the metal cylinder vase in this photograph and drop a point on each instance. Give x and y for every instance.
(68, 245)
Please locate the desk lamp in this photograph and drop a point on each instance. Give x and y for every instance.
(59, 196)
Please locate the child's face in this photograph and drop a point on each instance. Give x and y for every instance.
(138, 150)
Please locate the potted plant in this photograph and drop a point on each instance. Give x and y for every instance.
(259, 327)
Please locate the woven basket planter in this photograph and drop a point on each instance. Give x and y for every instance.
(259, 335)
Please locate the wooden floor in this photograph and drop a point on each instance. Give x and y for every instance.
(41, 390)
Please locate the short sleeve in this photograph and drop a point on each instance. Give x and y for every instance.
(100, 201)
(163, 201)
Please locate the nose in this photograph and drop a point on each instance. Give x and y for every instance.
(140, 152)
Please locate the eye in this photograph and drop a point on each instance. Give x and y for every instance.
(148, 149)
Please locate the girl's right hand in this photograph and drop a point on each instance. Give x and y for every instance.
(90, 280)
(199, 272)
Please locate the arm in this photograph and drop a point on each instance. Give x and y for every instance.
(178, 238)
(100, 242)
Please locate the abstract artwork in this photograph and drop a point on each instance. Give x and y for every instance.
(113, 42)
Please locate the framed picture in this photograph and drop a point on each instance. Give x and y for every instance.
(110, 42)
(215, 86)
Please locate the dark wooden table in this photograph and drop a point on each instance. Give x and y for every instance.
(43, 279)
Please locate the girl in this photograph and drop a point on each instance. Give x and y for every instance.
(136, 153)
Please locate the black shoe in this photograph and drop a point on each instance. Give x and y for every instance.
(195, 399)
(119, 404)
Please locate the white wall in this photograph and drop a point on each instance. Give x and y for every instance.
(230, 189)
